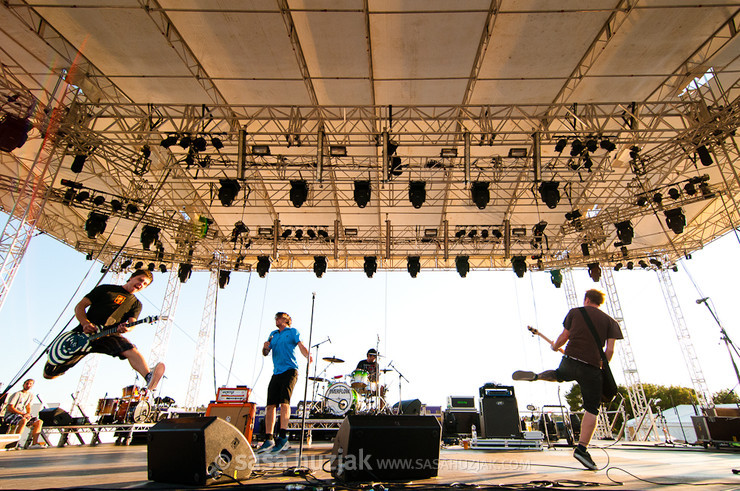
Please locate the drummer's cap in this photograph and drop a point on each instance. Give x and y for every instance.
(372, 351)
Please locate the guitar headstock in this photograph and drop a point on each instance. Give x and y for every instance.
(533, 330)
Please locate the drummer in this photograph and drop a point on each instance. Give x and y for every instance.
(370, 365)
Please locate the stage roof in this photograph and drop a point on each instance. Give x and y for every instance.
(436, 97)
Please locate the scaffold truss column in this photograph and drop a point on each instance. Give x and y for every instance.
(644, 418)
(164, 327)
(684, 339)
(570, 289)
(209, 312)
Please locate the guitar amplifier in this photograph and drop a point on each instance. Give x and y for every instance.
(499, 412)
(461, 403)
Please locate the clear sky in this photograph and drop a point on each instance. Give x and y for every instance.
(447, 335)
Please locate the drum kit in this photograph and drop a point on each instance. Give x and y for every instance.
(131, 407)
(353, 393)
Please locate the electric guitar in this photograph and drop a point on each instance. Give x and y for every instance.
(538, 333)
(72, 343)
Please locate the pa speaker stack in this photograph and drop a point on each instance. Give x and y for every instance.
(197, 451)
(499, 412)
(380, 448)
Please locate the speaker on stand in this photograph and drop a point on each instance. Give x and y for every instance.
(197, 451)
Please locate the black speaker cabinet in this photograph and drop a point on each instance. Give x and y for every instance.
(55, 416)
(197, 451)
(499, 413)
(409, 406)
(458, 423)
(380, 448)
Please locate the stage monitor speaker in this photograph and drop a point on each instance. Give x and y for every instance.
(409, 407)
(197, 451)
(378, 448)
(499, 412)
(55, 416)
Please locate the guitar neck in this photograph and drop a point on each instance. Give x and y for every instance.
(538, 333)
(111, 330)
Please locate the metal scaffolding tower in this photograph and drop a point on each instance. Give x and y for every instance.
(684, 339)
(644, 417)
(164, 327)
(201, 349)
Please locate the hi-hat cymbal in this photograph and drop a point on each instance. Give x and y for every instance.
(333, 359)
(317, 379)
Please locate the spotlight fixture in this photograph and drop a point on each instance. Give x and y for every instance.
(658, 199)
(228, 191)
(518, 153)
(473, 232)
(151, 267)
(138, 265)
(396, 167)
(299, 233)
(587, 162)
(132, 208)
(674, 193)
(430, 233)
(351, 232)
(260, 150)
(462, 265)
(448, 152)
(370, 266)
(484, 233)
(519, 264)
(607, 145)
(199, 144)
(690, 188)
(162, 268)
(125, 264)
(656, 263)
(323, 234)
(239, 228)
(642, 201)
(704, 156)
(556, 277)
(149, 234)
(78, 163)
(298, 192)
(286, 233)
(630, 265)
(319, 265)
(98, 200)
(560, 146)
(460, 233)
(13, 132)
(417, 193)
(337, 151)
(576, 147)
(264, 231)
(95, 224)
(168, 142)
(592, 145)
(82, 196)
(263, 265)
(480, 194)
(186, 141)
(311, 233)
(184, 271)
(223, 278)
(584, 249)
(217, 143)
(413, 265)
(594, 271)
(618, 266)
(675, 219)
(634, 152)
(625, 232)
(549, 193)
(362, 193)
(496, 233)
(573, 215)
(642, 264)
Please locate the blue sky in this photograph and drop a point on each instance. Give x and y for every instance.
(447, 335)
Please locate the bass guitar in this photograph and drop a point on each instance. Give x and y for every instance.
(72, 344)
(535, 332)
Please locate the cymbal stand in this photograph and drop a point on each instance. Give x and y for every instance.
(400, 378)
(314, 388)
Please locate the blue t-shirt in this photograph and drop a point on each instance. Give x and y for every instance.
(283, 349)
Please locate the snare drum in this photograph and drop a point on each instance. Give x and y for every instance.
(360, 379)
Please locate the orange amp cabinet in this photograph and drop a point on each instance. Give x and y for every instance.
(232, 406)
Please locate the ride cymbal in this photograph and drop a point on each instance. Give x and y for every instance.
(333, 359)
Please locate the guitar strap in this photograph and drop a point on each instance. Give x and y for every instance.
(592, 328)
(121, 310)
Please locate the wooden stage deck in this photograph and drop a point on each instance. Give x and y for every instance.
(108, 466)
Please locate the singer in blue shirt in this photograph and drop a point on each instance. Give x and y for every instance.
(282, 342)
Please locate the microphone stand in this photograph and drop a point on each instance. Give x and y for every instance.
(728, 342)
(400, 377)
(314, 393)
(299, 469)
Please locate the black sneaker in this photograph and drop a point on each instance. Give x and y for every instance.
(584, 458)
(524, 375)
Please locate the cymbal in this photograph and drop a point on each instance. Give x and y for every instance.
(333, 359)
(317, 379)
(384, 370)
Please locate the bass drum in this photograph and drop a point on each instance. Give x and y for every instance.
(140, 412)
(340, 399)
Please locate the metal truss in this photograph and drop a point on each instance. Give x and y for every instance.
(85, 383)
(201, 347)
(164, 327)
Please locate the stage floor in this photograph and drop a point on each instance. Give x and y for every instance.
(116, 467)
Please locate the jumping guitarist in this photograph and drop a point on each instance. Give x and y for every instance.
(109, 305)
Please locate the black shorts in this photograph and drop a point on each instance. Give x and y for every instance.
(281, 387)
(588, 378)
(113, 345)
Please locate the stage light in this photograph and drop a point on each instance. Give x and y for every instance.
(125, 264)
(519, 264)
(642, 264)
(413, 265)
(362, 193)
(448, 152)
(82, 196)
(573, 215)
(319, 265)
(549, 193)
(607, 145)
(168, 142)
(460, 233)
(298, 192)
(151, 267)
(337, 151)
(674, 193)
(264, 231)
(484, 233)
(556, 277)
(430, 233)
(186, 141)
(311, 233)
(228, 191)
(370, 266)
(13, 132)
(658, 199)
(634, 152)
(217, 143)
(584, 249)
(323, 234)
(417, 193)
(519, 232)
(199, 144)
(69, 196)
(286, 233)
(656, 263)
(473, 232)
(704, 156)
(630, 265)
(675, 219)
(518, 153)
(690, 188)
(705, 190)
(299, 234)
(98, 200)
(396, 168)
(587, 162)
(138, 265)
(260, 150)
(576, 147)
(184, 271)
(263, 265)
(132, 209)
(642, 201)
(351, 232)
(149, 234)
(617, 266)
(594, 271)
(496, 233)
(462, 265)
(78, 163)
(561, 144)
(592, 145)
(239, 228)
(223, 278)
(162, 268)
(625, 232)
(95, 224)
(480, 194)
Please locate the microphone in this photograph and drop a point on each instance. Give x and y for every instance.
(702, 300)
(328, 339)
